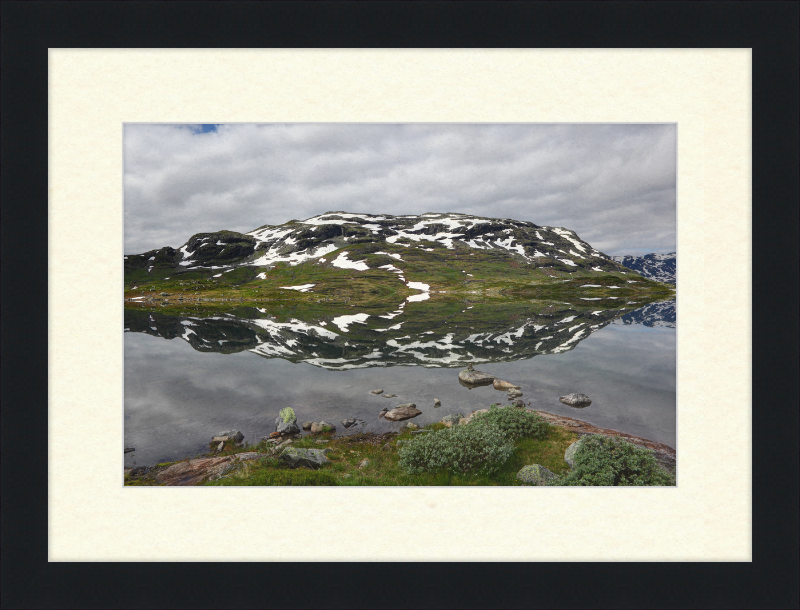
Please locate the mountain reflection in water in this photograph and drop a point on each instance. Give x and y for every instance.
(467, 334)
(180, 393)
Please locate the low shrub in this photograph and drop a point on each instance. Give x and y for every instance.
(287, 414)
(458, 449)
(514, 423)
(601, 460)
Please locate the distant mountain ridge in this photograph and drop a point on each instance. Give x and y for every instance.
(653, 314)
(658, 267)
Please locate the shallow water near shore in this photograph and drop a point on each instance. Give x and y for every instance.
(180, 391)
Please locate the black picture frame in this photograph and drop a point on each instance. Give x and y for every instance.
(769, 28)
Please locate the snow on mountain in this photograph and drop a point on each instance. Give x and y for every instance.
(658, 267)
(311, 240)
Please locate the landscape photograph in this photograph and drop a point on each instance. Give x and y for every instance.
(430, 304)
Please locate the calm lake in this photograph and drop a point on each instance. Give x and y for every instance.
(188, 377)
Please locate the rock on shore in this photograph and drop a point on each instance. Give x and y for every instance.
(194, 472)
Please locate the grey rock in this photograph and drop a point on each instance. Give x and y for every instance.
(307, 425)
(472, 377)
(499, 384)
(576, 400)
(249, 455)
(348, 422)
(232, 435)
(390, 395)
(514, 393)
(323, 426)
(401, 412)
(535, 474)
(363, 463)
(437, 403)
(453, 418)
(569, 454)
(377, 392)
(410, 425)
(221, 472)
(286, 427)
(220, 446)
(304, 458)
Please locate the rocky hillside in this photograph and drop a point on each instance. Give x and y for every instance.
(417, 253)
(657, 267)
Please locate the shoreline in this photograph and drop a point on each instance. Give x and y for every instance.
(665, 455)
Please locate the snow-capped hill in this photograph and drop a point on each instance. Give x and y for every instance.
(297, 241)
(552, 250)
(658, 267)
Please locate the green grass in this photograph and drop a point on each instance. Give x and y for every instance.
(461, 271)
(384, 470)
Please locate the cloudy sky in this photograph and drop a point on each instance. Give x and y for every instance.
(613, 184)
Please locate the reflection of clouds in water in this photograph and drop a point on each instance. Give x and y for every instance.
(629, 373)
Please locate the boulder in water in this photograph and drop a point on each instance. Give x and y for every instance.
(228, 435)
(401, 412)
(323, 426)
(499, 384)
(576, 400)
(471, 377)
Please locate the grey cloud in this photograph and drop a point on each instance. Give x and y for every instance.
(613, 184)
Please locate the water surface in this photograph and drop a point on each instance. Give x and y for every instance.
(189, 377)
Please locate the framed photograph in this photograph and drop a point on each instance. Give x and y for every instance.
(715, 100)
